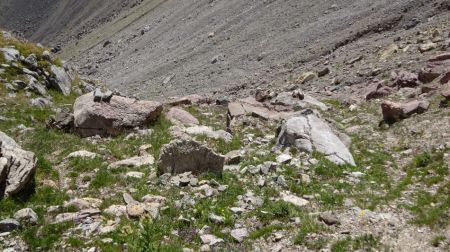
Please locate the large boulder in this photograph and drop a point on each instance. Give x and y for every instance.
(17, 167)
(10, 54)
(61, 80)
(180, 156)
(113, 117)
(307, 132)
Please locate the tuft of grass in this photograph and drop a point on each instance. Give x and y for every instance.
(150, 239)
(366, 242)
(266, 231)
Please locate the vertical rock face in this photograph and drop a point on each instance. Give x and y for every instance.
(111, 118)
(189, 156)
(308, 132)
(17, 167)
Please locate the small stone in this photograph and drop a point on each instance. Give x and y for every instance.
(329, 218)
(210, 239)
(297, 201)
(8, 225)
(284, 158)
(239, 234)
(427, 47)
(216, 219)
(26, 215)
(136, 175)
(306, 77)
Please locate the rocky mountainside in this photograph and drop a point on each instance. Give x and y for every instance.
(337, 150)
(164, 48)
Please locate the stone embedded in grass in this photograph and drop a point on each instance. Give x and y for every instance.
(26, 215)
(209, 132)
(19, 169)
(309, 133)
(82, 154)
(180, 116)
(61, 80)
(76, 217)
(239, 234)
(112, 118)
(393, 111)
(8, 225)
(180, 156)
(297, 201)
(137, 161)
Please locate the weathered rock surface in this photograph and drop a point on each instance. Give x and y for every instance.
(112, 118)
(182, 156)
(180, 116)
(308, 132)
(62, 121)
(26, 215)
(393, 111)
(436, 67)
(8, 225)
(19, 167)
(77, 216)
(137, 161)
(61, 80)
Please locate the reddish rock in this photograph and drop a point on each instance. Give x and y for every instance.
(440, 57)
(405, 79)
(437, 66)
(112, 118)
(235, 109)
(180, 116)
(378, 90)
(393, 111)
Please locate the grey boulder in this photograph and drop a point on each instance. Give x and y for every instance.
(307, 132)
(8, 225)
(17, 167)
(61, 80)
(113, 117)
(180, 156)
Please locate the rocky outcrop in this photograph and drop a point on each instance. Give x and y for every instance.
(182, 156)
(113, 117)
(17, 167)
(309, 133)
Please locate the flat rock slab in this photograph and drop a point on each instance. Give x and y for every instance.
(61, 80)
(309, 133)
(181, 116)
(145, 160)
(111, 118)
(182, 156)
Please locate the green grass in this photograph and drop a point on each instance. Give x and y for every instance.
(266, 231)
(366, 242)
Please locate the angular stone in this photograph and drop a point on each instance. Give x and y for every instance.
(61, 80)
(180, 116)
(26, 215)
(377, 89)
(297, 201)
(133, 162)
(329, 218)
(8, 225)
(235, 109)
(239, 234)
(393, 111)
(62, 121)
(308, 132)
(10, 54)
(21, 167)
(180, 156)
(121, 113)
(76, 217)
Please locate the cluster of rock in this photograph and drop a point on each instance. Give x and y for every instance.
(433, 77)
